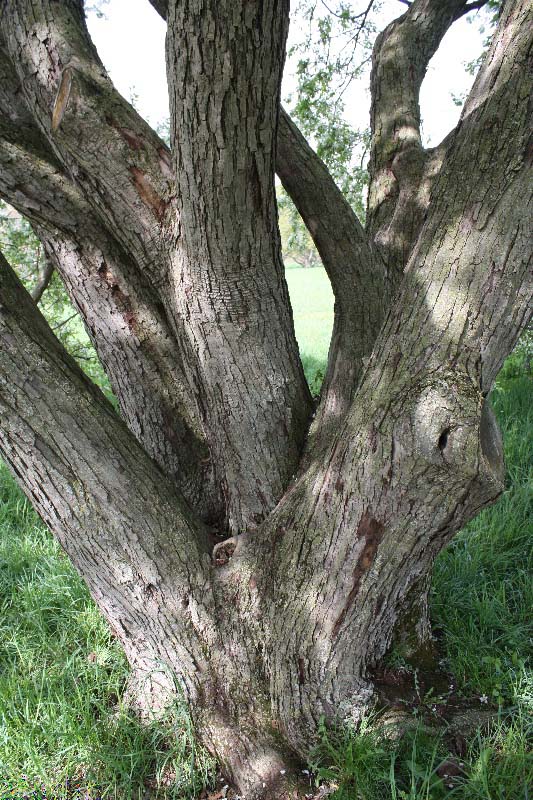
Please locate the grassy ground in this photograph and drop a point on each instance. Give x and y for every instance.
(62, 674)
(312, 305)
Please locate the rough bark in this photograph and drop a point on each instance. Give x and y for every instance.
(228, 280)
(279, 626)
(357, 273)
(419, 453)
(120, 307)
(114, 512)
(118, 162)
(238, 286)
(401, 170)
(143, 556)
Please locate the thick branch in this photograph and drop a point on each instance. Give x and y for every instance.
(227, 276)
(120, 308)
(401, 172)
(358, 275)
(255, 426)
(420, 452)
(116, 515)
(124, 320)
(118, 162)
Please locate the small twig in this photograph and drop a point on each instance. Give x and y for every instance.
(64, 322)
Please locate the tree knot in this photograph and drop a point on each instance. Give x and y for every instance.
(223, 551)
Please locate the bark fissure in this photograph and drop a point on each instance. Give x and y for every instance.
(133, 338)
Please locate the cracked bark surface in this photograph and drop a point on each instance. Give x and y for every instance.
(280, 625)
(120, 308)
(401, 170)
(228, 281)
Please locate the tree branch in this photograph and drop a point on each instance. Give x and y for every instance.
(401, 174)
(98, 137)
(123, 318)
(121, 310)
(119, 519)
(227, 279)
(419, 452)
(43, 280)
(358, 275)
(161, 6)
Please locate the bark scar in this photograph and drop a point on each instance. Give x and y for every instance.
(62, 97)
(148, 194)
(223, 551)
(371, 531)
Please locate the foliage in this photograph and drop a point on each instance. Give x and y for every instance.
(333, 51)
(296, 241)
(486, 17)
(95, 7)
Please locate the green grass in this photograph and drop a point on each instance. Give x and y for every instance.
(312, 305)
(497, 765)
(62, 675)
(482, 587)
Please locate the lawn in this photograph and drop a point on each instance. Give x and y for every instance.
(312, 305)
(62, 675)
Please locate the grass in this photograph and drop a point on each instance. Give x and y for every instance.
(62, 675)
(496, 766)
(312, 305)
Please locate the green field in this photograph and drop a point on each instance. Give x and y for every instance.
(62, 674)
(312, 305)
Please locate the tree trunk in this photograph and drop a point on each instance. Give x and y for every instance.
(174, 263)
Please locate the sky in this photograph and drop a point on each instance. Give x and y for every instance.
(131, 43)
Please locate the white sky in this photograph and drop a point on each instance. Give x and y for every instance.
(131, 43)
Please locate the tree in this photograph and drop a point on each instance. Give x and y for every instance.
(253, 553)
(296, 242)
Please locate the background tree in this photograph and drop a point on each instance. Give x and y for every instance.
(296, 241)
(261, 561)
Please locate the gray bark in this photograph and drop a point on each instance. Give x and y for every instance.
(120, 307)
(44, 276)
(401, 170)
(228, 281)
(132, 189)
(281, 625)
